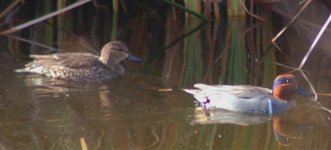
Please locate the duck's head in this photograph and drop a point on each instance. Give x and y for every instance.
(116, 51)
(286, 85)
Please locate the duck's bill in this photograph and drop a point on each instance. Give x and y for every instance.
(303, 92)
(133, 58)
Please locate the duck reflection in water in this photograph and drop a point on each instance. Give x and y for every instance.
(246, 105)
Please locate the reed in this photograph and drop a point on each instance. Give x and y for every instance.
(61, 23)
(48, 30)
(234, 8)
(236, 55)
(115, 6)
(192, 5)
(217, 9)
(194, 8)
(114, 27)
(191, 9)
(43, 18)
(11, 8)
(193, 62)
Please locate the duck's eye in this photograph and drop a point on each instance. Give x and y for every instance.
(285, 81)
(281, 81)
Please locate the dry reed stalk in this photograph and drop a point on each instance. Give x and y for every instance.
(115, 6)
(33, 42)
(311, 48)
(216, 10)
(10, 7)
(45, 17)
(207, 7)
(251, 13)
(83, 143)
(292, 20)
(125, 10)
(234, 9)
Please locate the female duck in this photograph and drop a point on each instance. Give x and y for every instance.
(251, 99)
(82, 66)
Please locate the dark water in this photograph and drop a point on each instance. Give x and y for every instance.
(146, 108)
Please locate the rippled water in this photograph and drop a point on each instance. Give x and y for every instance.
(146, 108)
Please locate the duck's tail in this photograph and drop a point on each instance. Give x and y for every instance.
(30, 69)
(22, 71)
(191, 91)
(198, 95)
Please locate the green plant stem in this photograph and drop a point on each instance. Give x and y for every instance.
(188, 10)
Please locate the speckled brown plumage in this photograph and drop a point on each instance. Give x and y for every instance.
(81, 66)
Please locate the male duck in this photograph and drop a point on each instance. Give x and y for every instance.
(82, 66)
(251, 99)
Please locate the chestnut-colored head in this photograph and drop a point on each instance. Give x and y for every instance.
(284, 86)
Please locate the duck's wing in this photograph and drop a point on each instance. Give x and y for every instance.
(68, 60)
